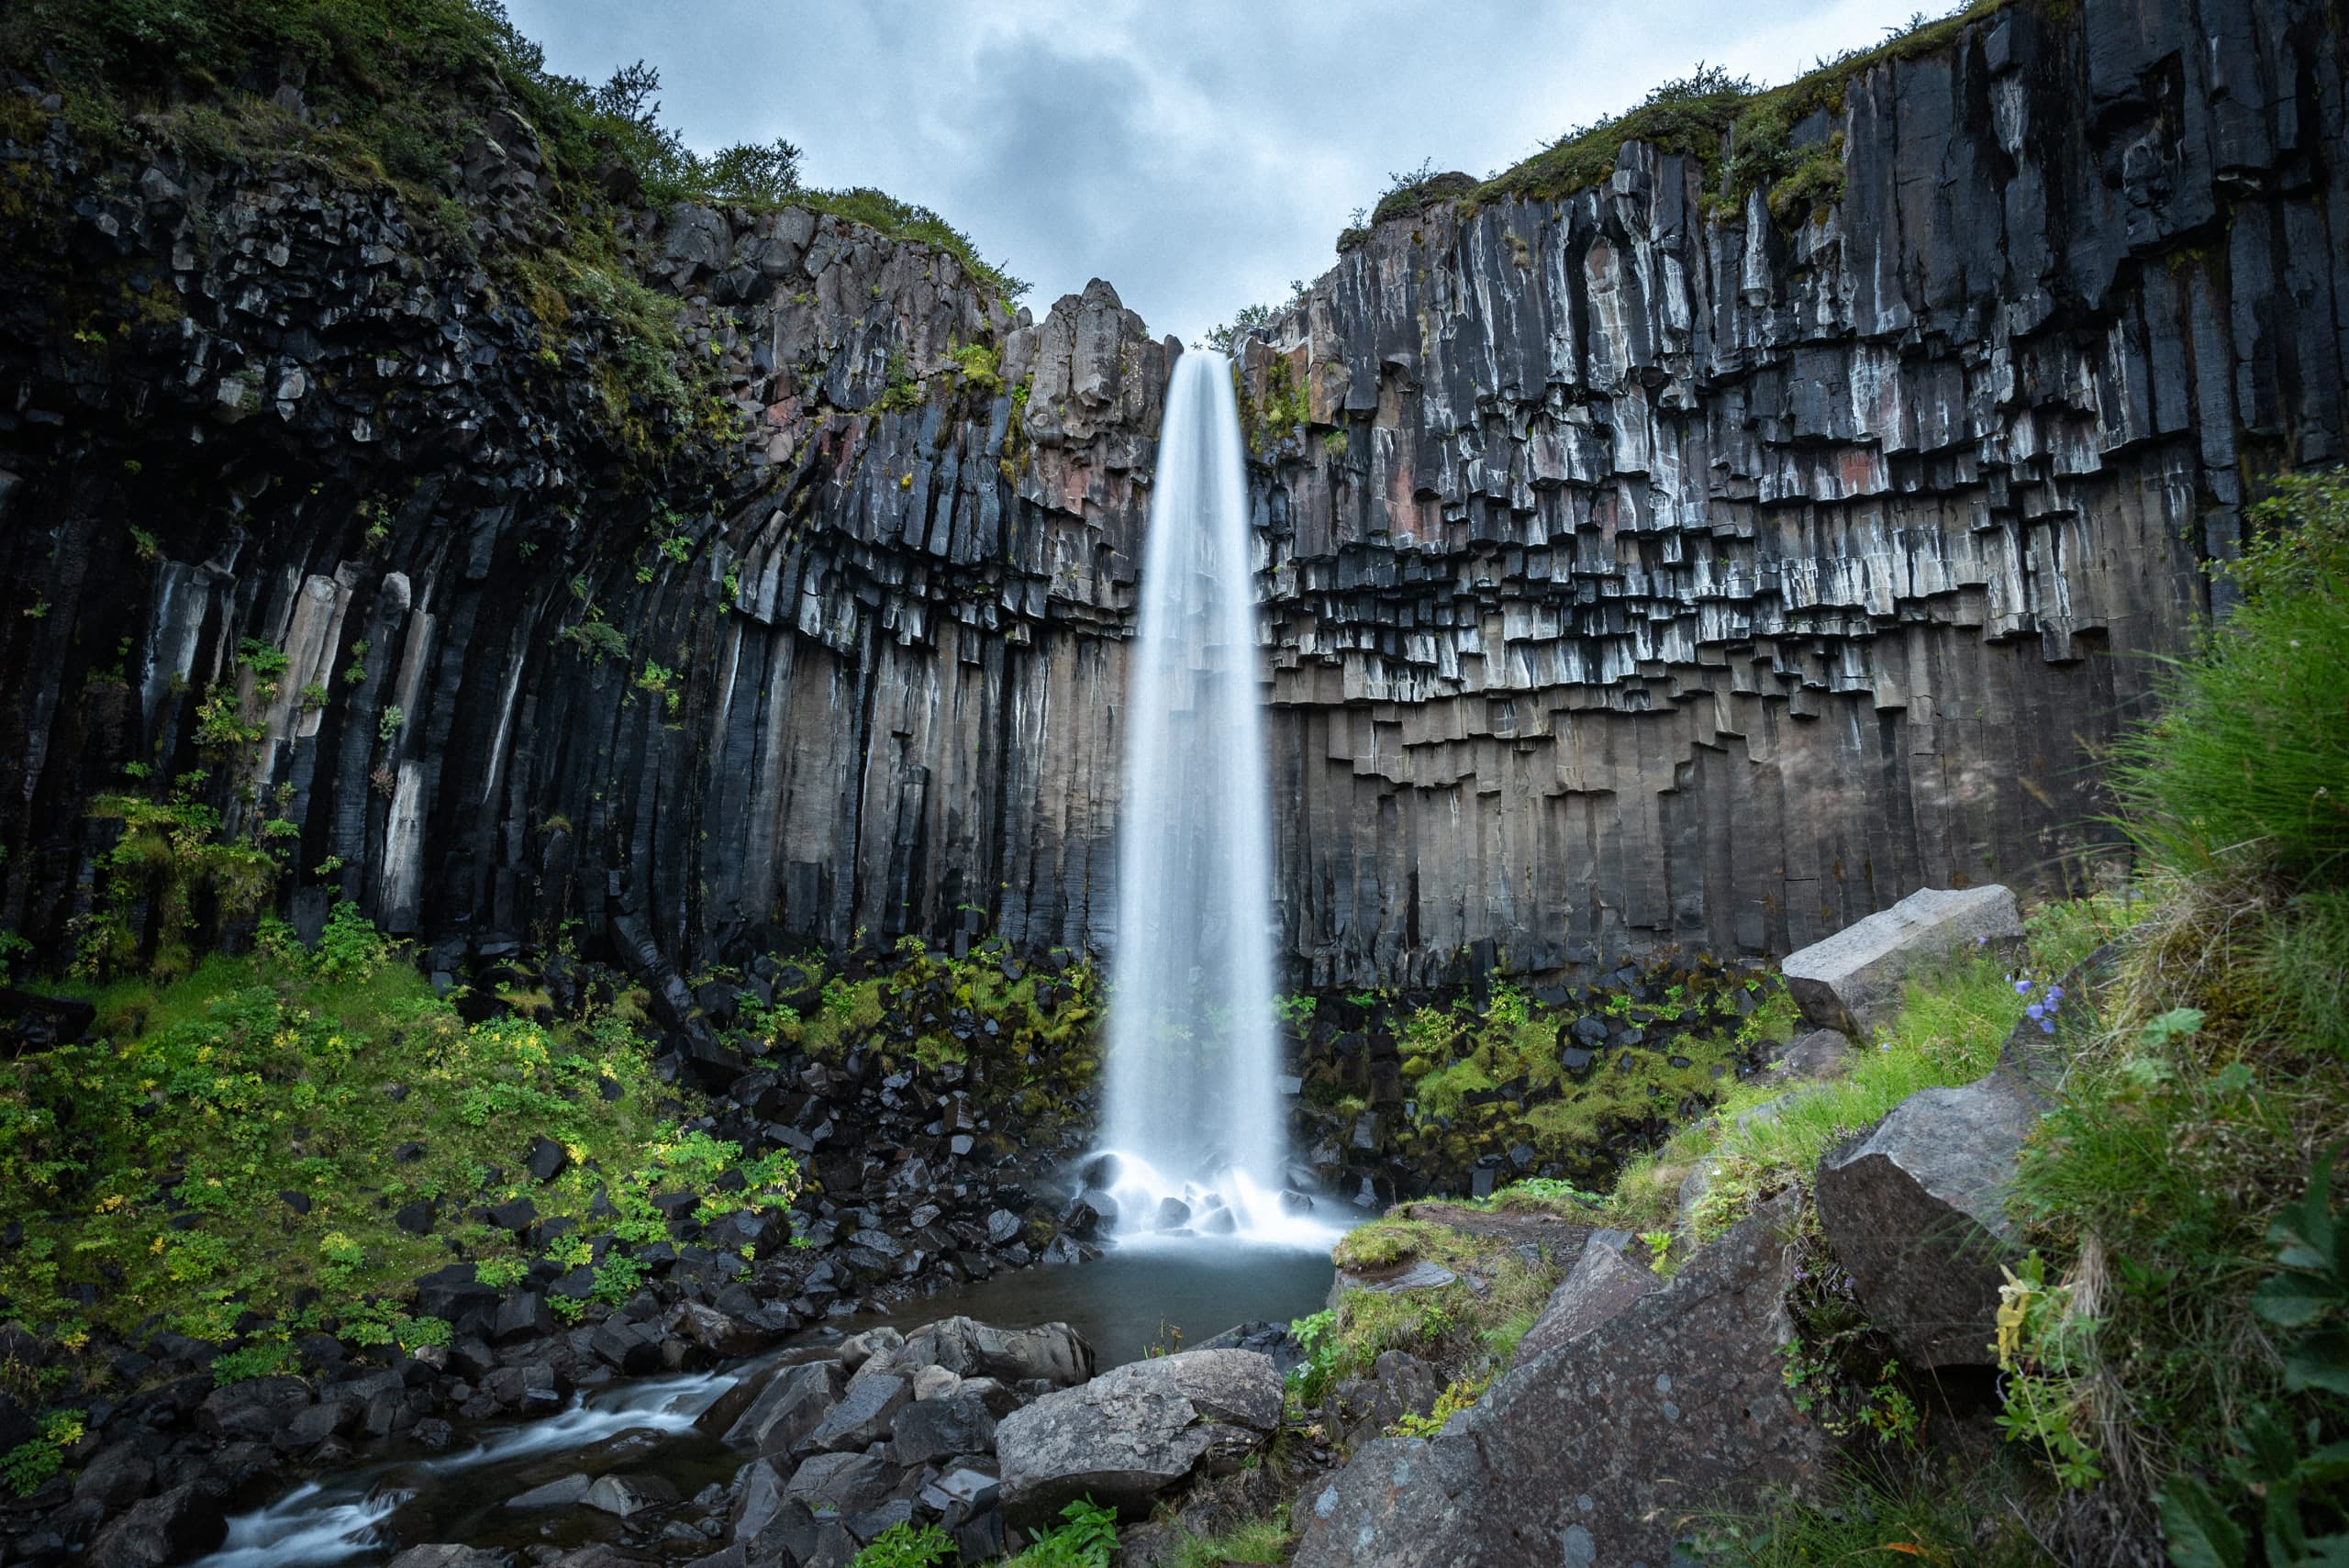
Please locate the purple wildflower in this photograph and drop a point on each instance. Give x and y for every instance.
(2035, 1011)
(2047, 1025)
(2022, 987)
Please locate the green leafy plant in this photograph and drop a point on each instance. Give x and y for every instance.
(1310, 1378)
(598, 639)
(34, 1461)
(1087, 1540)
(906, 1545)
(350, 947)
(2042, 1348)
(1457, 1395)
(2310, 1291)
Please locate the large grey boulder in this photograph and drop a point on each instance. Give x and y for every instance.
(1053, 1351)
(1852, 981)
(793, 1404)
(255, 1409)
(1915, 1211)
(956, 1422)
(1136, 1431)
(1398, 1384)
(1588, 1453)
(1603, 1282)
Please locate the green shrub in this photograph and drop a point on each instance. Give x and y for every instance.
(906, 1545)
(34, 1461)
(2247, 761)
(1088, 1540)
(349, 948)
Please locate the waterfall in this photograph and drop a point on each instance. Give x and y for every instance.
(1194, 1116)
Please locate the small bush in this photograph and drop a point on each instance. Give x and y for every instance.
(906, 1545)
(1088, 1540)
(2248, 760)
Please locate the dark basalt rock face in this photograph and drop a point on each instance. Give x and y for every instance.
(1688, 577)
(1684, 577)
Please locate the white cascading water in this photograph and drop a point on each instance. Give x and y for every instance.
(1193, 1113)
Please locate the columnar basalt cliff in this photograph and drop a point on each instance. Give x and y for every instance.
(863, 679)
(1695, 576)
(1640, 570)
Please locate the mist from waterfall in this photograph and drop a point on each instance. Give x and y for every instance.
(1193, 1108)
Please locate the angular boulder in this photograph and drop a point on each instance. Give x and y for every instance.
(1588, 1453)
(443, 1555)
(1603, 1282)
(1054, 1352)
(1398, 1384)
(164, 1528)
(120, 1475)
(793, 1404)
(622, 1496)
(254, 1410)
(957, 1422)
(1915, 1211)
(843, 1483)
(862, 1417)
(1852, 981)
(1136, 1431)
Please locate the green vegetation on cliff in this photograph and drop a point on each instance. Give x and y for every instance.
(1741, 136)
(445, 107)
(297, 1136)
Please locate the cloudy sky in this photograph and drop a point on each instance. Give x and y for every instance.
(1199, 154)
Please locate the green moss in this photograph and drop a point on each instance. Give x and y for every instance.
(149, 1161)
(1469, 1329)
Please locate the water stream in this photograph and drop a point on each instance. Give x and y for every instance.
(366, 1513)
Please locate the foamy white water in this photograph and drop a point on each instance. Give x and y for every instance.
(1192, 1106)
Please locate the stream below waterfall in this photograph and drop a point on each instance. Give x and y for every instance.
(1138, 1295)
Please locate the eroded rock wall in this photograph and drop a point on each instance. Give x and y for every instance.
(846, 663)
(1682, 576)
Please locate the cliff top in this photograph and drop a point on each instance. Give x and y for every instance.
(400, 95)
(1746, 138)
